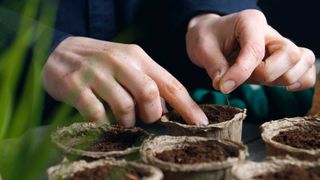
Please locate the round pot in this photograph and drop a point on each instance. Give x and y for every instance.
(93, 141)
(229, 125)
(103, 169)
(257, 170)
(301, 126)
(215, 169)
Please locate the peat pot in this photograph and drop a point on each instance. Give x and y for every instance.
(190, 157)
(225, 122)
(93, 141)
(298, 137)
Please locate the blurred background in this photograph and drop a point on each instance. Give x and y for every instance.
(297, 20)
(28, 115)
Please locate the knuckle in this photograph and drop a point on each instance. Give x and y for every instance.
(288, 80)
(98, 114)
(70, 82)
(311, 78)
(173, 87)
(310, 57)
(149, 92)
(125, 107)
(264, 74)
(293, 52)
(257, 50)
(253, 13)
(134, 48)
(244, 72)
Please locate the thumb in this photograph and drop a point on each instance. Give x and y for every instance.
(252, 50)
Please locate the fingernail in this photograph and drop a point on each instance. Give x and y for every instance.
(204, 120)
(215, 82)
(228, 86)
(294, 86)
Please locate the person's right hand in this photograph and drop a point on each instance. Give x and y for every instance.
(81, 71)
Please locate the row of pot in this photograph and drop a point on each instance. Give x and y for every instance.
(184, 155)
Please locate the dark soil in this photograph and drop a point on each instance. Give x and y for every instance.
(289, 172)
(117, 140)
(105, 172)
(198, 153)
(307, 139)
(215, 113)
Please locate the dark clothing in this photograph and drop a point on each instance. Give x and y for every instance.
(163, 23)
(103, 19)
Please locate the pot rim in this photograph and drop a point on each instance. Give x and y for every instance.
(148, 152)
(273, 128)
(78, 128)
(248, 169)
(67, 168)
(237, 117)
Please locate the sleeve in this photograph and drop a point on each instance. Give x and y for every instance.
(181, 11)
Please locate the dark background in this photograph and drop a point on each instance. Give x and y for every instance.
(296, 20)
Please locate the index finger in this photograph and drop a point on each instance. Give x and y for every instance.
(177, 95)
(251, 38)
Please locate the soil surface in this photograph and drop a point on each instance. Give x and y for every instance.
(198, 153)
(106, 172)
(117, 140)
(289, 172)
(215, 113)
(307, 139)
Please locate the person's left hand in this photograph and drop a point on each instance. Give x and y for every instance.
(242, 47)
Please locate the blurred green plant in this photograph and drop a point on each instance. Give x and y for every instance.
(26, 151)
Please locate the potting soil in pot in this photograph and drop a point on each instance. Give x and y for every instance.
(289, 172)
(108, 172)
(215, 114)
(196, 153)
(307, 139)
(116, 140)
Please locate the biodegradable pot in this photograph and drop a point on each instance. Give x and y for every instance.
(103, 169)
(87, 141)
(303, 125)
(228, 128)
(252, 170)
(219, 169)
(315, 108)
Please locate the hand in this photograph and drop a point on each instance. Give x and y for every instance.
(82, 70)
(242, 47)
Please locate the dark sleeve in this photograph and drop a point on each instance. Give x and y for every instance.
(181, 11)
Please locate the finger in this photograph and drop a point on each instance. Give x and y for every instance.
(306, 81)
(144, 90)
(90, 107)
(305, 63)
(215, 63)
(207, 54)
(163, 105)
(117, 97)
(286, 56)
(176, 95)
(78, 94)
(250, 34)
